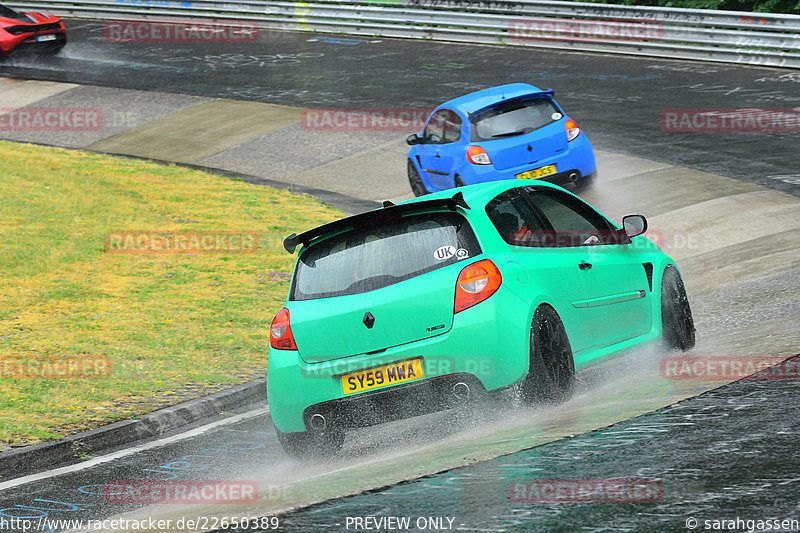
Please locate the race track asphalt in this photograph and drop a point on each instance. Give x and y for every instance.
(724, 205)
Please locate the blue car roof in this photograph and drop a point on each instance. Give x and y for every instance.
(472, 102)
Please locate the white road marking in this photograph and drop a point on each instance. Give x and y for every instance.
(130, 451)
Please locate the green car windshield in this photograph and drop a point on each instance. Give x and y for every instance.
(366, 259)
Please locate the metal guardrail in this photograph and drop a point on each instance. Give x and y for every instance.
(726, 36)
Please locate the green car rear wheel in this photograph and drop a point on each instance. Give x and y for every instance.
(552, 368)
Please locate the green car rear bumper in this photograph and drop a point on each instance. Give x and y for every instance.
(487, 348)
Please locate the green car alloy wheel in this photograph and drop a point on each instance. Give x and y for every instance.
(552, 367)
(418, 306)
(676, 315)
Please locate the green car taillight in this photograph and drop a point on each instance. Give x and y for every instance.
(476, 282)
(280, 332)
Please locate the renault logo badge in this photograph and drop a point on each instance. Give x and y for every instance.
(369, 320)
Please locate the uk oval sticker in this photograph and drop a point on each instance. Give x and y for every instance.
(444, 252)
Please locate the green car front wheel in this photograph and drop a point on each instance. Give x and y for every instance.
(676, 315)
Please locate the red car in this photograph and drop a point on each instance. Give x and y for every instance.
(34, 31)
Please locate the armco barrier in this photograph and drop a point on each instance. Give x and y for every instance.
(695, 34)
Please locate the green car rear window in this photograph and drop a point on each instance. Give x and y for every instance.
(366, 259)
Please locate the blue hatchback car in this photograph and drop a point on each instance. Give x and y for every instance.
(506, 132)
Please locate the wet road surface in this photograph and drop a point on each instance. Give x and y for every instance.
(725, 455)
(714, 455)
(618, 101)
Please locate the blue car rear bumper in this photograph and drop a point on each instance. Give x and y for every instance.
(578, 158)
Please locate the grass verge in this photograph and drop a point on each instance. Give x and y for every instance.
(88, 337)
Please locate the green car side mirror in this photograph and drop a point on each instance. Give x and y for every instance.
(634, 225)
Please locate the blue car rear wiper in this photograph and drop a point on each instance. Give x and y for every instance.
(509, 134)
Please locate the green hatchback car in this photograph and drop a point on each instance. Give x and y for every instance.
(423, 305)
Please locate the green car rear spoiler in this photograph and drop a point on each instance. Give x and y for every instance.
(388, 212)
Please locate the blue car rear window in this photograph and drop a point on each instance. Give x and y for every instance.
(366, 259)
(512, 118)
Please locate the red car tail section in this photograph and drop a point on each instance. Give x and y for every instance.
(42, 31)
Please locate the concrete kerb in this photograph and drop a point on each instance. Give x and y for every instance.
(170, 420)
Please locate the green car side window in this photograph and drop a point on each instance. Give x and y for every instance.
(547, 218)
(573, 222)
(515, 219)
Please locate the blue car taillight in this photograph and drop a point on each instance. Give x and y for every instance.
(478, 156)
(572, 129)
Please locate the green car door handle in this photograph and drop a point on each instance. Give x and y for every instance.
(583, 265)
